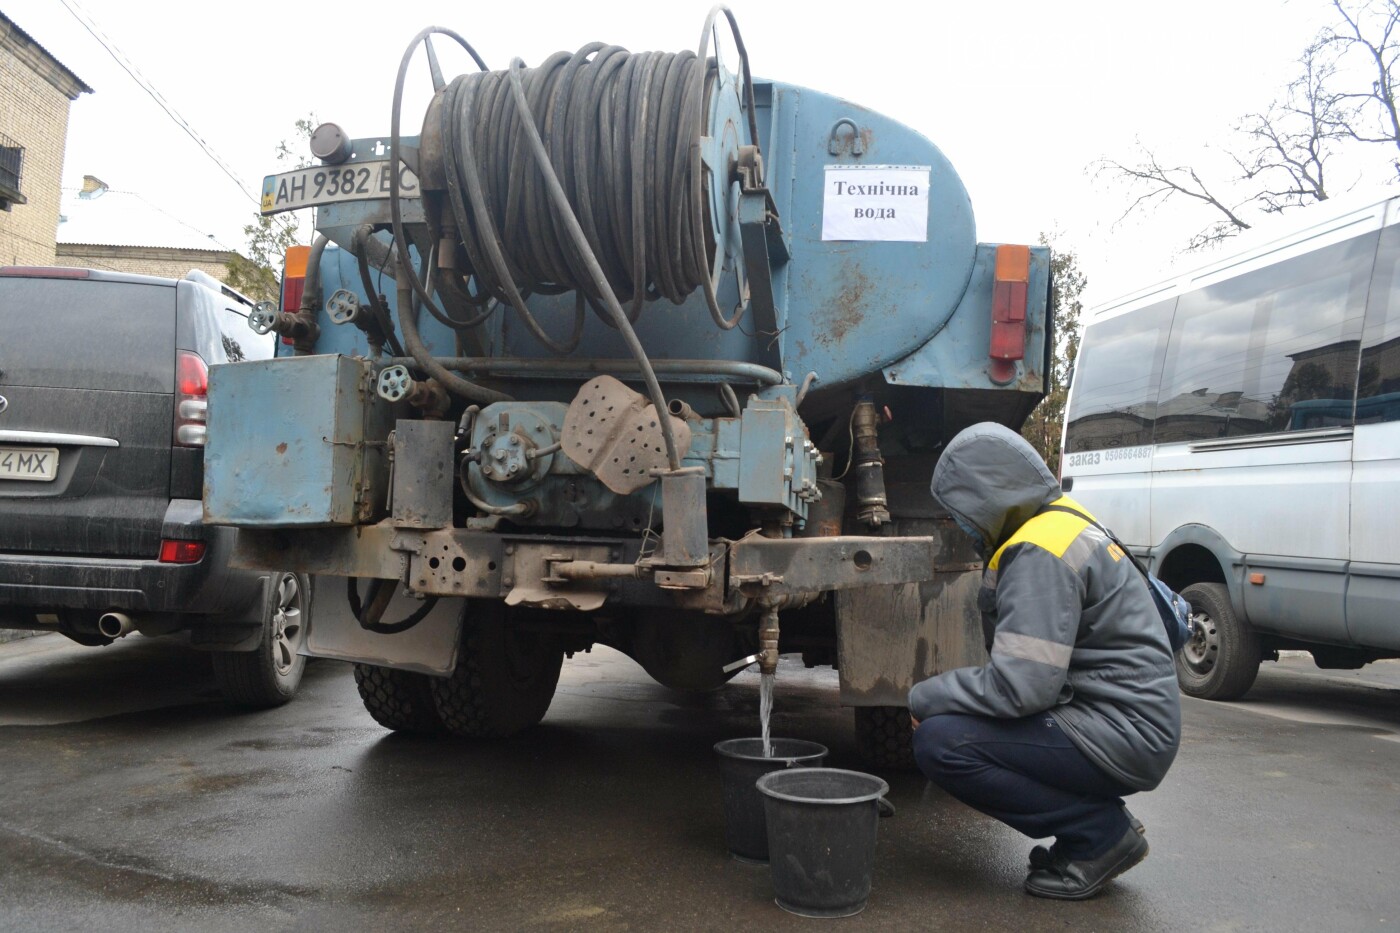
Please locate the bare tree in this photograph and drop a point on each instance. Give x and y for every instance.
(1367, 36)
(1281, 160)
(1156, 183)
(1290, 143)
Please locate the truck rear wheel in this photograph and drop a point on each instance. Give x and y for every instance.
(399, 700)
(884, 737)
(505, 677)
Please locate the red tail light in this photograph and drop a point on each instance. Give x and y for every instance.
(1010, 292)
(181, 552)
(294, 281)
(191, 399)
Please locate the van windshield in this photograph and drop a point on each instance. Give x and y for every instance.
(87, 334)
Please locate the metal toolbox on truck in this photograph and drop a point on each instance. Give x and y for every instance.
(296, 442)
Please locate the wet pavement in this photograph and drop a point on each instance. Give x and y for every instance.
(134, 798)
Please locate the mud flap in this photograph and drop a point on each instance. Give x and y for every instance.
(889, 638)
(430, 647)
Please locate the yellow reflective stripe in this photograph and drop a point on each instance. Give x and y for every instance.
(1052, 531)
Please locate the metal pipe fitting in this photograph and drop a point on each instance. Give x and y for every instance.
(717, 371)
(594, 570)
(115, 624)
(768, 641)
(413, 343)
(395, 384)
(873, 506)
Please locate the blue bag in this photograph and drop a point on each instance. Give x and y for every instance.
(1171, 606)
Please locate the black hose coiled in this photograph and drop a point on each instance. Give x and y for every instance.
(669, 250)
(622, 131)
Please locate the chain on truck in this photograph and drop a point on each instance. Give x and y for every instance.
(628, 349)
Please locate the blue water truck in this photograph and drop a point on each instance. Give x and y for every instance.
(630, 349)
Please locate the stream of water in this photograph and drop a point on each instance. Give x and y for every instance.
(765, 709)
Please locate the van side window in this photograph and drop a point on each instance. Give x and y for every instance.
(1271, 350)
(1378, 390)
(1116, 379)
(239, 340)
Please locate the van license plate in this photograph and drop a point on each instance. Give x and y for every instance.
(39, 464)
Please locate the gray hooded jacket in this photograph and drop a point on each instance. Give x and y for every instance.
(1068, 620)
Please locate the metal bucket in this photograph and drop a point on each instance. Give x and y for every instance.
(821, 837)
(741, 763)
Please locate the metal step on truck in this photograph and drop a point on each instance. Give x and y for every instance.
(631, 349)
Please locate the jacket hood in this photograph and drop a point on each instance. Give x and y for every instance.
(993, 480)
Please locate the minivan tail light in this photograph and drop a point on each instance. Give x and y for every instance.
(181, 552)
(191, 399)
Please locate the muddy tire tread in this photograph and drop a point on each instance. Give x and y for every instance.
(401, 701)
(884, 738)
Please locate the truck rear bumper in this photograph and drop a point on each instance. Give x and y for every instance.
(557, 572)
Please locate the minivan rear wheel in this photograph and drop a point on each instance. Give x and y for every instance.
(269, 675)
(1221, 658)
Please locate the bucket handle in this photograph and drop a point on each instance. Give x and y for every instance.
(885, 807)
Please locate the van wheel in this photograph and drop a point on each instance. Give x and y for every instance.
(884, 737)
(1221, 658)
(269, 675)
(504, 680)
(399, 700)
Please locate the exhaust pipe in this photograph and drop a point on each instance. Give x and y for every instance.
(115, 625)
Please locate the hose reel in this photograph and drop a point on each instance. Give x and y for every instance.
(647, 148)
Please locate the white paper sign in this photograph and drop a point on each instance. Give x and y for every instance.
(876, 202)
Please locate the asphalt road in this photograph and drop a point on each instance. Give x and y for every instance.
(135, 799)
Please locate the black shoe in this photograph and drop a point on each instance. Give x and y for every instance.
(1068, 880)
(1044, 857)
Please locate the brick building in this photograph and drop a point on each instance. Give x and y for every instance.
(35, 93)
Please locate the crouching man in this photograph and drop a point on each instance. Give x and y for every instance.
(1078, 705)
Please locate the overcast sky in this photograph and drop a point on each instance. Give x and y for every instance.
(1021, 96)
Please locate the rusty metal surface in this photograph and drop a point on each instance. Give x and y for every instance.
(615, 433)
(774, 567)
(476, 564)
(423, 474)
(890, 638)
(530, 577)
(364, 551)
(457, 562)
(452, 563)
(321, 459)
(685, 538)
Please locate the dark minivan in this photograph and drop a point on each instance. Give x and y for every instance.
(103, 381)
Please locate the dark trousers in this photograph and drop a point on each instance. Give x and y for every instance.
(1028, 774)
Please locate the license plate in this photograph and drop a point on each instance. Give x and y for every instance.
(331, 184)
(39, 464)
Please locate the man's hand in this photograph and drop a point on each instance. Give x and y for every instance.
(913, 723)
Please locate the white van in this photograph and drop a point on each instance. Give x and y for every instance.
(1239, 427)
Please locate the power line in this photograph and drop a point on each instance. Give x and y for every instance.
(130, 68)
(85, 19)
